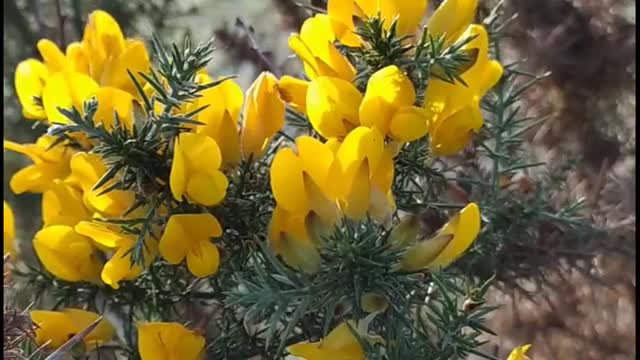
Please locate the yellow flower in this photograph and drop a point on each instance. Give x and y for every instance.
(48, 164)
(388, 105)
(263, 116)
(342, 12)
(314, 46)
(453, 110)
(447, 244)
(166, 341)
(188, 236)
(109, 54)
(220, 118)
(86, 170)
(451, 19)
(30, 77)
(332, 106)
(195, 170)
(9, 230)
(294, 92)
(66, 254)
(520, 353)
(304, 190)
(366, 173)
(63, 205)
(339, 344)
(60, 326)
(120, 266)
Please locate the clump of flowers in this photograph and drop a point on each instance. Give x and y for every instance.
(309, 215)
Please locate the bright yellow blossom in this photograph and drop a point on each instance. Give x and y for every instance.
(48, 164)
(9, 231)
(195, 170)
(263, 116)
(520, 353)
(304, 190)
(188, 236)
(120, 266)
(294, 92)
(314, 46)
(339, 344)
(453, 110)
(332, 106)
(447, 244)
(388, 105)
(63, 205)
(66, 254)
(60, 326)
(366, 174)
(86, 170)
(342, 12)
(220, 118)
(167, 341)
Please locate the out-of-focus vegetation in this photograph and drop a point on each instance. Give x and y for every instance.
(588, 45)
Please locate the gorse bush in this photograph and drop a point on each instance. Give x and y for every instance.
(362, 211)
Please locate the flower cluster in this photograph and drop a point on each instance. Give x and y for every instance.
(139, 160)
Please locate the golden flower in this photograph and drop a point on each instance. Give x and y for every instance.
(304, 190)
(388, 105)
(332, 106)
(339, 344)
(63, 205)
(195, 170)
(294, 92)
(60, 326)
(342, 12)
(520, 353)
(120, 266)
(48, 164)
(86, 170)
(366, 173)
(9, 231)
(453, 110)
(220, 118)
(158, 340)
(67, 255)
(314, 46)
(263, 116)
(188, 236)
(447, 244)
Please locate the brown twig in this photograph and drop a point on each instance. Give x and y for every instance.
(61, 20)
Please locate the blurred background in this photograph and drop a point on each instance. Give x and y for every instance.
(589, 100)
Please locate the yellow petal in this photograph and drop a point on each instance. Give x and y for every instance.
(263, 116)
(341, 14)
(103, 39)
(520, 353)
(66, 90)
(66, 254)
(184, 231)
(168, 341)
(9, 231)
(52, 56)
(358, 195)
(340, 343)
(178, 175)
(134, 58)
(423, 253)
(81, 319)
(112, 100)
(203, 259)
(451, 19)
(37, 177)
(30, 77)
(465, 227)
(120, 267)
(63, 205)
(332, 106)
(286, 181)
(408, 124)
(455, 132)
(53, 326)
(361, 143)
(207, 188)
(409, 13)
(388, 90)
(288, 238)
(77, 57)
(294, 92)
(103, 234)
